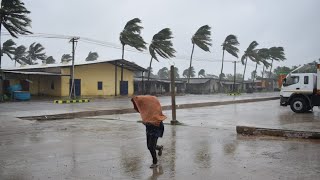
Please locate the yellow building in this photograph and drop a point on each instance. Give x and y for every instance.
(94, 78)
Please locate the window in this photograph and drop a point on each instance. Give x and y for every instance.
(52, 85)
(291, 80)
(99, 85)
(306, 80)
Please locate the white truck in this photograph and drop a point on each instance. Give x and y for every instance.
(301, 91)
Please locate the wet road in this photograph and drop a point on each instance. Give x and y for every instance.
(266, 114)
(36, 108)
(205, 148)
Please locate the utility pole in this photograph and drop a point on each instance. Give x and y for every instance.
(234, 75)
(173, 96)
(72, 89)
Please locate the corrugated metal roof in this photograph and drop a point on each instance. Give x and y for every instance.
(126, 64)
(35, 73)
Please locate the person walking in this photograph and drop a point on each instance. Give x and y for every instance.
(151, 113)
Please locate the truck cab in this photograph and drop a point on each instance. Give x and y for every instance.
(298, 90)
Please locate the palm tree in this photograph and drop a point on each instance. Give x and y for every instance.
(35, 52)
(277, 54)
(19, 55)
(202, 73)
(189, 70)
(251, 54)
(203, 40)
(263, 55)
(163, 73)
(92, 56)
(13, 17)
(229, 45)
(50, 60)
(130, 35)
(66, 58)
(161, 45)
(8, 48)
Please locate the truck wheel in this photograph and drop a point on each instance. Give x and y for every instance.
(298, 105)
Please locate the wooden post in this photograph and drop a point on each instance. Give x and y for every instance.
(142, 83)
(115, 78)
(173, 97)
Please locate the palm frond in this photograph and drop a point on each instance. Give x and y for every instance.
(161, 44)
(66, 58)
(8, 48)
(14, 17)
(92, 56)
(202, 38)
(131, 35)
(50, 60)
(277, 53)
(252, 46)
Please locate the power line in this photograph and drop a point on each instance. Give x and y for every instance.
(114, 46)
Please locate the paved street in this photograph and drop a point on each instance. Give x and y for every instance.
(205, 147)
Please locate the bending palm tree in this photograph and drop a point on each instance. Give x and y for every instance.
(66, 58)
(277, 54)
(263, 55)
(19, 55)
(229, 45)
(131, 36)
(161, 45)
(92, 56)
(8, 48)
(13, 18)
(202, 73)
(35, 52)
(50, 60)
(251, 54)
(203, 40)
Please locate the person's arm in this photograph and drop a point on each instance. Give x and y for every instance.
(134, 105)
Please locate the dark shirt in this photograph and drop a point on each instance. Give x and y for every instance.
(156, 131)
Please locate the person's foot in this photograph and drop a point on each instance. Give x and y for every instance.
(160, 151)
(153, 165)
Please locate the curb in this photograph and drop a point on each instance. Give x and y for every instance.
(255, 131)
(71, 101)
(131, 110)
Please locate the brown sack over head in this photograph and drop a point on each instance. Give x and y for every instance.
(149, 108)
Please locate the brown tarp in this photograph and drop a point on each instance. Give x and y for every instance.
(149, 108)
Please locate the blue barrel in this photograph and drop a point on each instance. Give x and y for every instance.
(13, 88)
(22, 95)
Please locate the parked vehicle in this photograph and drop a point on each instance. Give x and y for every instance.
(301, 91)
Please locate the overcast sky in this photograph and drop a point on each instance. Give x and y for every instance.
(293, 24)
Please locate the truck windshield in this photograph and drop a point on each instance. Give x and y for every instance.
(291, 80)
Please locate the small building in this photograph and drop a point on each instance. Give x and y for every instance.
(94, 78)
(157, 86)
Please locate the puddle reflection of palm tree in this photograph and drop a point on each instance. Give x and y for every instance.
(156, 173)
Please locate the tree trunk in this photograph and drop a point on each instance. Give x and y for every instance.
(254, 76)
(262, 71)
(244, 71)
(149, 72)
(270, 69)
(189, 74)
(220, 76)
(122, 63)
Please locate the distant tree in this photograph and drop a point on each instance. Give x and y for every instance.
(161, 45)
(202, 73)
(9, 48)
(66, 58)
(212, 76)
(229, 45)
(35, 52)
(13, 17)
(186, 72)
(203, 40)
(163, 73)
(50, 60)
(231, 77)
(276, 54)
(92, 56)
(250, 53)
(176, 73)
(222, 76)
(130, 36)
(19, 55)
